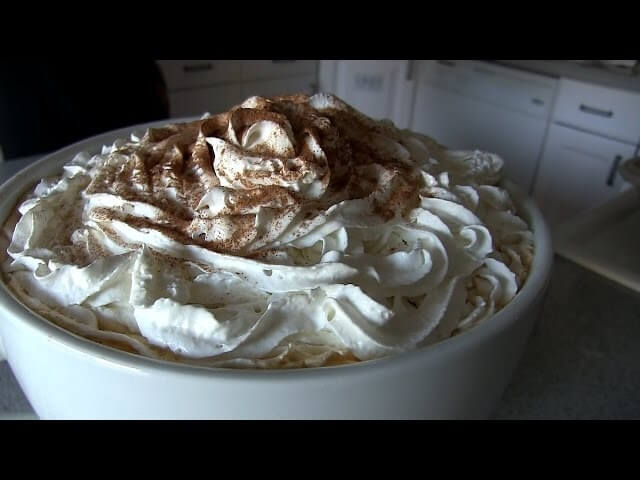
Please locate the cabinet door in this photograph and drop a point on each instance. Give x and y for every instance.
(378, 88)
(271, 69)
(577, 172)
(444, 110)
(283, 86)
(188, 103)
(607, 111)
(183, 74)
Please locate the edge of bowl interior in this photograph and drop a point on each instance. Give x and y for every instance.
(530, 293)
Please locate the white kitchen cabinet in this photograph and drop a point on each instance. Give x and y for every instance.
(198, 86)
(186, 74)
(471, 105)
(195, 102)
(577, 172)
(272, 69)
(607, 111)
(281, 86)
(378, 88)
(219, 98)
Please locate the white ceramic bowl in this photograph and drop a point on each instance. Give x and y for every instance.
(66, 376)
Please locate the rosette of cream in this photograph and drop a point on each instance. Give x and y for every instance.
(286, 232)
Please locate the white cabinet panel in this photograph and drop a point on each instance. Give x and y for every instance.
(197, 86)
(608, 111)
(271, 69)
(183, 74)
(461, 122)
(195, 102)
(378, 88)
(284, 86)
(504, 87)
(327, 75)
(577, 172)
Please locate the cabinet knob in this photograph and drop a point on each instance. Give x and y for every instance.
(596, 111)
(614, 168)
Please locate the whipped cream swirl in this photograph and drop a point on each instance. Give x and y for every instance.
(286, 232)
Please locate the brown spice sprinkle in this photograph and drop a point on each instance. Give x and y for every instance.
(172, 168)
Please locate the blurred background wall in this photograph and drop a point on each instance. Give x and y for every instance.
(563, 127)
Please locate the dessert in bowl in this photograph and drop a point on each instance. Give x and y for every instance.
(290, 258)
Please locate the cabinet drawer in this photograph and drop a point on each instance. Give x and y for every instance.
(500, 86)
(269, 88)
(511, 88)
(181, 74)
(378, 88)
(452, 75)
(465, 123)
(607, 111)
(195, 102)
(577, 171)
(269, 69)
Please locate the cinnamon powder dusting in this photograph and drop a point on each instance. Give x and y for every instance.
(172, 168)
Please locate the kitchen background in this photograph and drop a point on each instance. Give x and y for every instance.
(563, 127)
(568, 131)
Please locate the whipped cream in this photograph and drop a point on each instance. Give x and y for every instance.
(286, 232)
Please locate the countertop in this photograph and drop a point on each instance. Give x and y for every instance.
(582, 360)
(575, 71)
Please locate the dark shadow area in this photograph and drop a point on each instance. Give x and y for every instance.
(48, 104)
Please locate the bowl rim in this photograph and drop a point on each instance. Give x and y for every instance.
(13, 310)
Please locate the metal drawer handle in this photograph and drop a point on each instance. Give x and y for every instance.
(596, 111)
(614, 169)
(200, 67)
(410, 67)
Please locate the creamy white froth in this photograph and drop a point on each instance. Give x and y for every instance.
(287, 232)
